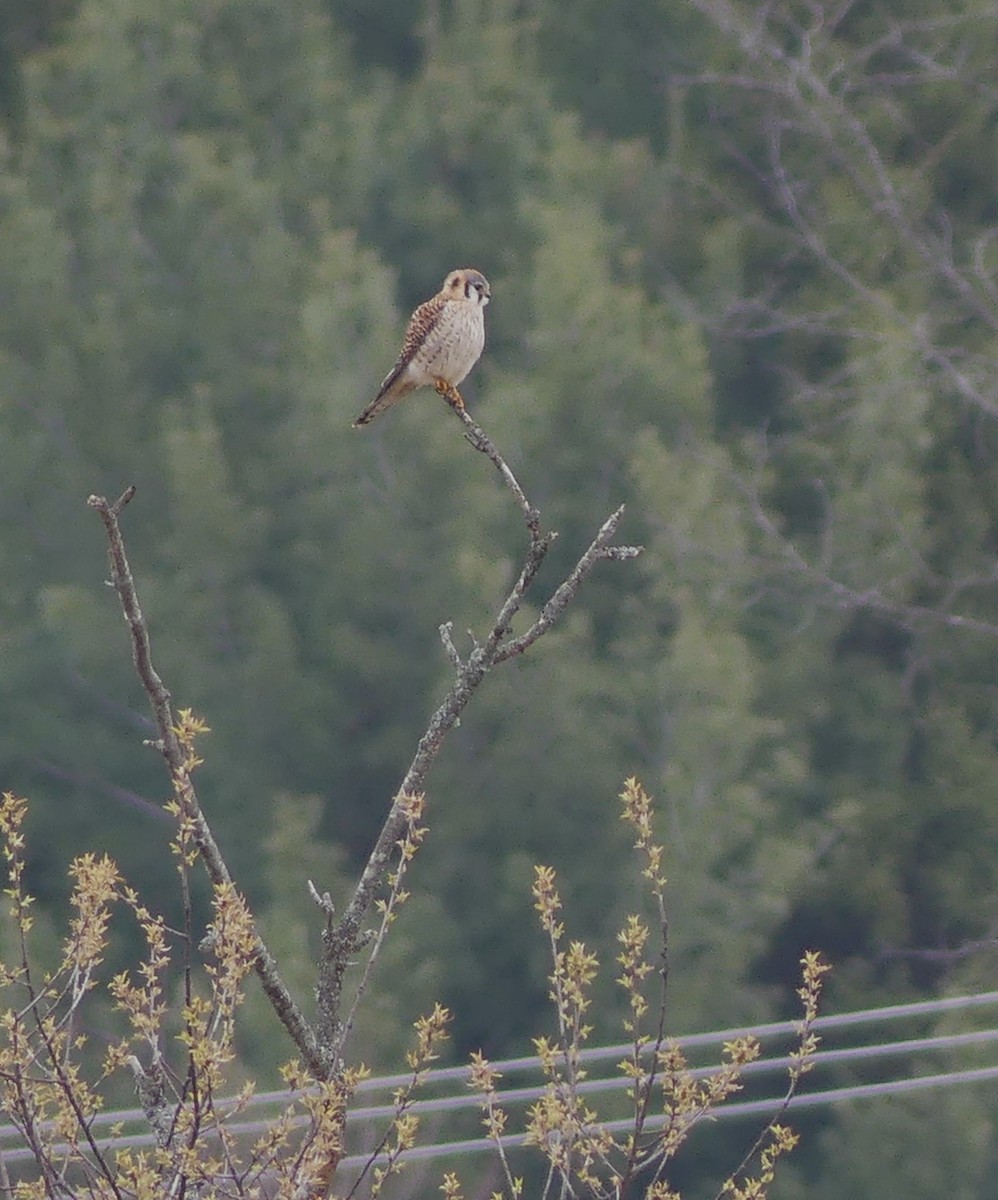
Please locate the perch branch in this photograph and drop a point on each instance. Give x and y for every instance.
(482, 442)
(345, 939)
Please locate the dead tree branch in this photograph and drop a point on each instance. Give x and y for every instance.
(322, 1046)
(482, 442)
(344, 940)
(168, 744)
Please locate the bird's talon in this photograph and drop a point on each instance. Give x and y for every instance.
(449, 393)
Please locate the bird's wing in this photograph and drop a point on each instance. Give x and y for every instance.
(421, 324)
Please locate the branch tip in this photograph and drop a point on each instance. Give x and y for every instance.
(448, 641)
(125, 498)
(106, 509)
(324, 901)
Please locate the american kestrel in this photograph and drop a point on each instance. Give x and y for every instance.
(445, 339)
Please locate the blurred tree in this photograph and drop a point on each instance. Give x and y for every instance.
(874, 383)
(923, 1144)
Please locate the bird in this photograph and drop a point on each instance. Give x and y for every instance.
(445, 338)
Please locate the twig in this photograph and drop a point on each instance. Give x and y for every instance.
(564, 595)
(448, 641)
(284, 1005)
(482, 442)
(847, 598)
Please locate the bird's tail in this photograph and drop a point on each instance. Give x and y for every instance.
(390, 392)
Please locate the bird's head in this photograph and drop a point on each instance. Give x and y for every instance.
(467, 284)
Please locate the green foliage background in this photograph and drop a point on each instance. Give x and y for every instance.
(214, 217)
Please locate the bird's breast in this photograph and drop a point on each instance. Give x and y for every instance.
(453, 346)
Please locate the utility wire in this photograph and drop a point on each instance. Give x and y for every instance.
(725, 1112)
(464, 1099)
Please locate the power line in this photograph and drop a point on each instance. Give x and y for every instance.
(725, 1112)
(463, 1099)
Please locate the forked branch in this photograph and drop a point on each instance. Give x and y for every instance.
(343, 940)
(322, 1046)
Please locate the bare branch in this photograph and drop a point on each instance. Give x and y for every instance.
(817, 89)
(482, 442)
(564, 595)
(324, 901)
(448, 641)
(849, 598)
(341, 943)
(284, 1005)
